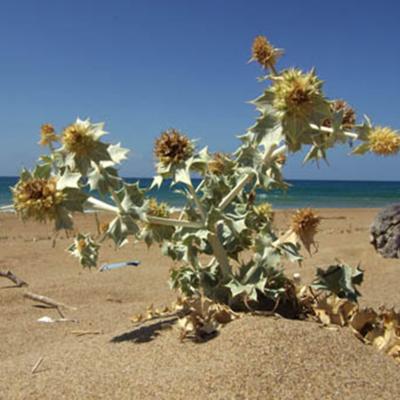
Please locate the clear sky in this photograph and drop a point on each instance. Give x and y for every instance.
(144, 66)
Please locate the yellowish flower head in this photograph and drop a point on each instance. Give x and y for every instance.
(305, 225)
(264, 52)
(158, 209)
(85, 249)
(37, 198)
(77, 138)
(264, 211)
(297, 93)
(384, 141)
(47, 135)
(218, 165)
(349, 115)
(172, 147)
(305, 221)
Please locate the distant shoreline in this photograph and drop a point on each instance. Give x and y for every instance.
(300, 194)
(16, 177)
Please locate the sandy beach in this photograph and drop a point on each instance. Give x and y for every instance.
(252, 358)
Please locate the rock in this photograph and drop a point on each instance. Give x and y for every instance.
(385, 232)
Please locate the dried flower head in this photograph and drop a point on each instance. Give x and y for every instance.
(349, 115)
(219, 164)
(264, 211)
(85, 249)
(384, 141)
(37, 198)
(77, 138)
(265, 53)
(297, 93)
(305, 224)
(156, 209)
(172, 147)
(47, 135)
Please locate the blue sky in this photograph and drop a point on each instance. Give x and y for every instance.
(144, 66)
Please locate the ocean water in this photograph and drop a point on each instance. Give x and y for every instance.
(302, 193)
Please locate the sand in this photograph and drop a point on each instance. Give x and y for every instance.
(252, 358)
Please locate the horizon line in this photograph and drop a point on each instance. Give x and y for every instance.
(288, 179)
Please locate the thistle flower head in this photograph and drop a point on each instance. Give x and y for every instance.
(384, 141)
(219, 164)
(157, 209)
(77, 138)
(37, 198)
(305, 224)
(264, 211)
(47, 135)
(349, 115)
(264, 52)
(172, 147)
(297, 93)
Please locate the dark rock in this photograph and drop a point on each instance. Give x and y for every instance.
(385, 232)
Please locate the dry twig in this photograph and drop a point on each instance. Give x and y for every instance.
(9, 275)
(47, 301)
(83, 333)
(37, 365)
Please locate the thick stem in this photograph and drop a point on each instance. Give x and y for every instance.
(101, 205)
(234, 192)
(173, 222)
(182, 213)
(268, 154)
(273, 70)
(272, 153)
(220, 255)
(117, 201)
(280, 150)
(326, 129)
(198, 203)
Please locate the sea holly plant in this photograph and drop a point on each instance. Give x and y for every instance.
(223, 239)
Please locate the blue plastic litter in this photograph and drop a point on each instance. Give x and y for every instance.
(109, 267)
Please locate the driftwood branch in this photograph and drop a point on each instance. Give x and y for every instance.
(47, 301)
(9, 275)
(83, 333)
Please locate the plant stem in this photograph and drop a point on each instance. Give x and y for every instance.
(174, 222)
(220, 254)
(117, 201)
(280, 150)
(198, 203)
(273, 70)
(182, 213)
(234, 192)
(326, 129)
(101, 205)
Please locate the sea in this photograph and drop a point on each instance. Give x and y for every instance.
(301, 193)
